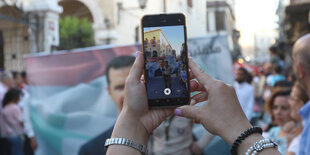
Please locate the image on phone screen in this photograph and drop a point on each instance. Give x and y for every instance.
(166, 59)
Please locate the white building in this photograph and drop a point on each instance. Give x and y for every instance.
(221, 20)
(32, 25)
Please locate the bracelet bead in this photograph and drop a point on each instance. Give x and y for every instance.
(244, 135)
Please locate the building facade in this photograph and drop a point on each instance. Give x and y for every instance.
(156, 44)
(30, 26)
(294, 20)
(221, 20)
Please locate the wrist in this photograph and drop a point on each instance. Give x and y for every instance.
(130, 127)
(230, 134)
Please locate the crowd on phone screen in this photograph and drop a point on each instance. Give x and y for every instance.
(17, 136)
(166, 68)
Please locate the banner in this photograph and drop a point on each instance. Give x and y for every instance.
(68, 98)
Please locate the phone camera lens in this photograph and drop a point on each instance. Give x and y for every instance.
(163, 20)
(179, 20)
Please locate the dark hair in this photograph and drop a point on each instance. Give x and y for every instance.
(283, 83)
(15, 74)
(243, 70)
(279, 91)
(273, 49)
(277, 69)
(12, 95)
(249, 78)
(119, 62)
(23, 74)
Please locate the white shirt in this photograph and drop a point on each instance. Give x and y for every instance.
(294, 146)
(3, 90)
(245, 94)
(24, 104)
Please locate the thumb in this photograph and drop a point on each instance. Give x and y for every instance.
(191, 112)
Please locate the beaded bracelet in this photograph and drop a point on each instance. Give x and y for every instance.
(244, 135)
(260, 146)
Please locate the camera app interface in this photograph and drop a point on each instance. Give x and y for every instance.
(165, 53)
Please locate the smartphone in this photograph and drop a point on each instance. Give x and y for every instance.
(164, 44)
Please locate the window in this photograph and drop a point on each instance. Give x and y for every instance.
(220, 20)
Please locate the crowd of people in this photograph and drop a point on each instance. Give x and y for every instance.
(272, 99)
(17, 135)
(286, 103)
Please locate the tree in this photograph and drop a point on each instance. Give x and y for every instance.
(75, 33)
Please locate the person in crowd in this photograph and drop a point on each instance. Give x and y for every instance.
(277, 75)
(266, 80)
(184, 77)
(25, 79)
(11, 120)
(279, 109)
(301, 67)
(245, 91)
(117, 71)
(159, 71)
(136, 121)
(6, 83)
(30, 142)
(274, 57)
(167, 74)
(18, 81)
(298, 98)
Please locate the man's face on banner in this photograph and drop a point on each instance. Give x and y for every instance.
(117, 79)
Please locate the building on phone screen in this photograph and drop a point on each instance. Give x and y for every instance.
(157, 45)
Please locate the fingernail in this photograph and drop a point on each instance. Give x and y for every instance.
(137, 53)
(178, 112)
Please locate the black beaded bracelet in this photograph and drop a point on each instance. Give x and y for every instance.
(244, 135)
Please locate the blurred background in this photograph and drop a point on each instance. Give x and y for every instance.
(33, 26)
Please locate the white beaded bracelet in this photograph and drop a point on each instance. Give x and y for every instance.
(260, 145)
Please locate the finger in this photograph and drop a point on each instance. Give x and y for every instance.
(191, 75)
(142, 79)
(191, 112)
(200, 97)
(136, 69)
(200, 75)
(195, 86)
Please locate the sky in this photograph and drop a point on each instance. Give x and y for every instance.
(174, 34)
(254, 16)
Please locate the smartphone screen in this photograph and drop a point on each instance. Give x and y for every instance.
(166, 60)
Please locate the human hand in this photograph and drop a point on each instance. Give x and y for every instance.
(196, 149)
(33, 143)
(222, 114)
(136, 117)
(290, 131)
